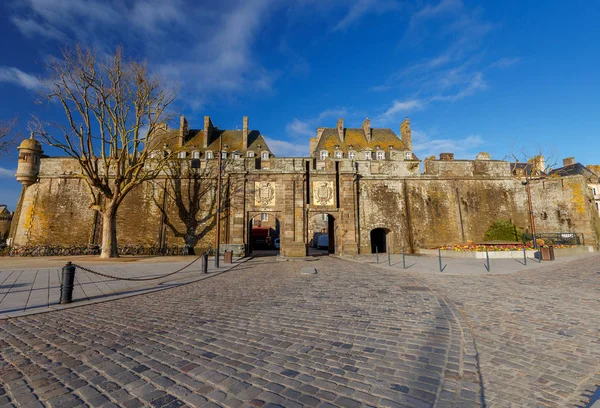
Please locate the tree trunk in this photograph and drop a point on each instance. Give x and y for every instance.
(109, 233)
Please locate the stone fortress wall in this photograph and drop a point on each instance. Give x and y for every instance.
(449, 202)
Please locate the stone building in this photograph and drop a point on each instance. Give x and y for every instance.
(365, 182)
(5, 220)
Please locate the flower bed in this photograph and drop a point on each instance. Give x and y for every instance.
(493, 247)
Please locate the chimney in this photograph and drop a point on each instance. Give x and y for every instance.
(245, 133)
(183, 130)
(538, 163)
(405, 134)
(207, 131)
(340, 129)
(367, 128)
(568, 161)
(447, 156)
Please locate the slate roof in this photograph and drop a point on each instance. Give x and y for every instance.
(194, 141)
(382, 137)
(574, 169)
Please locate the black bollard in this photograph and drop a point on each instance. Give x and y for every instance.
(68, 279)
(389, 257)
(205, 262)
(377, 253)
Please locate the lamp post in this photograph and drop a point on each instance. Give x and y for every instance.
(527, 184)
(218, 234)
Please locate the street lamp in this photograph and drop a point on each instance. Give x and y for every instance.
(527, 183)
(218, 234)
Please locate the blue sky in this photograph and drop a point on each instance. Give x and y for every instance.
(495, 76)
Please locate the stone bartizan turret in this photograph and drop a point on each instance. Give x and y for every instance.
(30, 152)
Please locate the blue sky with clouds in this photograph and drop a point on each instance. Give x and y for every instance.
(496, 76)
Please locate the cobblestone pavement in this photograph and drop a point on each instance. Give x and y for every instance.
(353, 335)
(537, 331)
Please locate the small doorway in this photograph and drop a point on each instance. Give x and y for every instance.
(321, 234)
(264, 234)
(379, 240)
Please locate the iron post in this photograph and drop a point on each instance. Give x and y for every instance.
(403, 259)
(377, 253)
(524, 256)
(487, 257)
(440, 257)
(389, 257)
(67, 284)
(205, 262)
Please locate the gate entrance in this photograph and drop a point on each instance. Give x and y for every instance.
(264, 230)
(321, 234)
(379, 241)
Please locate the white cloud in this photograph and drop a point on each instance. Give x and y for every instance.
(443, 7)
(207, 49)
(308, 127)
(505, 62)
(284, 148)
(7, 173)
(475, 84)
(464, 148)
(360, 8)
(402, 107)
(17, 77)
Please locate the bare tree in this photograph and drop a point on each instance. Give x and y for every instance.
(7, 139)
(115, 111)
(192, 195)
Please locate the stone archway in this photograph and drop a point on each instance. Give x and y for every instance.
(380, 240)
(321, 224)
(264, 233)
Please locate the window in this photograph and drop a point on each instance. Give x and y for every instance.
(594, 189)
(209, 155)
(195, 155)
(380, 155)
(367, 155)
(408, 155)
(264, 217)
(325, 217)
(338, 154)
(223, 155)
(250, 154)
(181, 155)
(265, 155)
(351, 155)
(324, 154)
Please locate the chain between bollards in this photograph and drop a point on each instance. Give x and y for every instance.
(67, 284)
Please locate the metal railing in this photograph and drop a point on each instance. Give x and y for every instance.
(557, 238)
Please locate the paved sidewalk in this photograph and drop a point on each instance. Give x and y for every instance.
(460, 266)
(25, 291)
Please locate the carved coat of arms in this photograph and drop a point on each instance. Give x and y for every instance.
(264, 193)
(323, 192)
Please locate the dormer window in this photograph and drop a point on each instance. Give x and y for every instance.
(181, 155)
(338, 154)
(352, 155)
(380, 155)
(324, 154)
(236, 155)
(209, 154)
(377, 147)
(337, 147)
(265, 155)
(223, 155)
(250, 154)
(408, 155)
(195, 155)
(367, 155)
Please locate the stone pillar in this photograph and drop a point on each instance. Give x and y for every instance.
(406, 134)
(245, 133)
(207, 131)
(183, 130)
(340, 129)
(367, 128)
